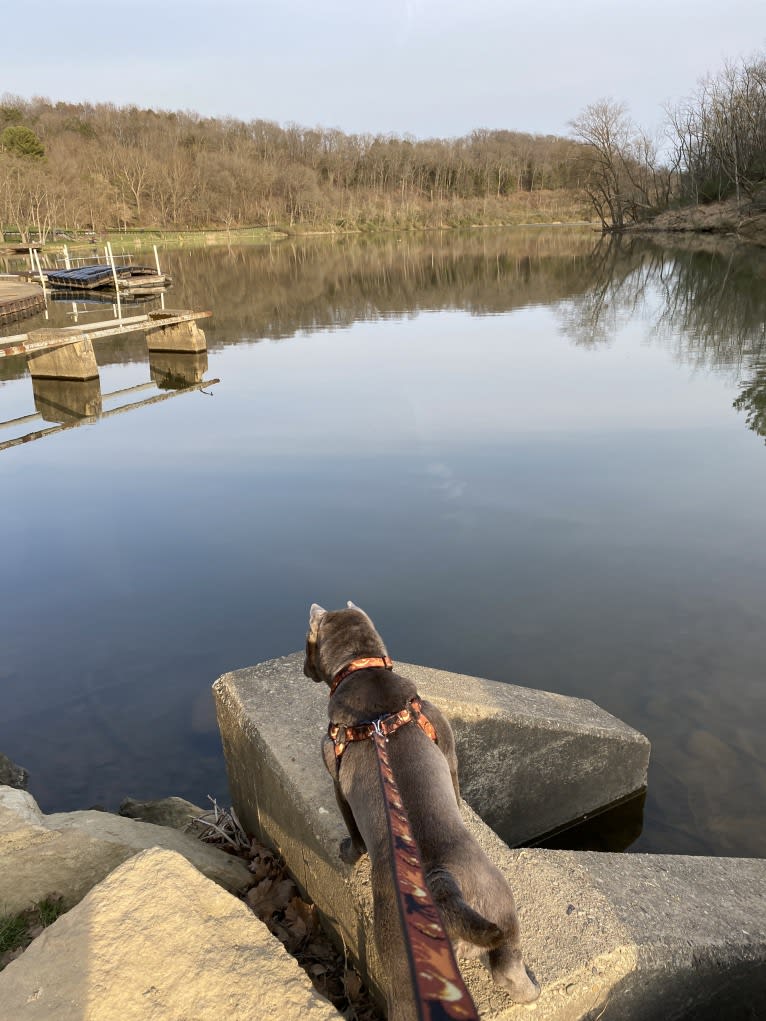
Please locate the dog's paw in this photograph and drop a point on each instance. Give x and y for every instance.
(349, 853)
(522, 987)
(510, 973)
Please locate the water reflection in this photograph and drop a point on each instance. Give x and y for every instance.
(752, 400)
(556, 493)
(709, 304)
(174, 370)
(67, 400)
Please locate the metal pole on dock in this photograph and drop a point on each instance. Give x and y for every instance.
(157, 261)
(110, 260)
(36, 257)
(68, 265)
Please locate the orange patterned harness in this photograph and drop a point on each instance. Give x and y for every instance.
(384, 725)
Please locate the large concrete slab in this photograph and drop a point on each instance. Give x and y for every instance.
(156, 941)
(627, 937)
(531, 762)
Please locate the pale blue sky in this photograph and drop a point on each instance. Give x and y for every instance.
(422, 67)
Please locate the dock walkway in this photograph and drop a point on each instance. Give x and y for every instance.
(47, 339)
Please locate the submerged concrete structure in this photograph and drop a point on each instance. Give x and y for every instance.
(610, 936)
(173, 370)
(66, 400)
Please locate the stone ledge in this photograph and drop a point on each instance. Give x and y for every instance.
(628, 931)
(156, 941)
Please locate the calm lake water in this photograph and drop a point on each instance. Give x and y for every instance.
(529, 456)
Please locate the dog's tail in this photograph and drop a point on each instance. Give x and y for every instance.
(460, 919)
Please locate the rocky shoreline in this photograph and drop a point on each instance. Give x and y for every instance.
(53, 865)
(162, 925)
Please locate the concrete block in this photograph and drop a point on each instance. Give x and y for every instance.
(531, 762)
(67, 361)
(156, 941)
(632, 937)
(177, 337)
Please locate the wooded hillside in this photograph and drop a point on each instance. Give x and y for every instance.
(80, 166)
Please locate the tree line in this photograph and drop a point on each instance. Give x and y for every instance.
(98, 166)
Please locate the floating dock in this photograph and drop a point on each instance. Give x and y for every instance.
(102, 277)
(19, 298)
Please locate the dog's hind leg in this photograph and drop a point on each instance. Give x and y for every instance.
(487, 889)
(460, 919)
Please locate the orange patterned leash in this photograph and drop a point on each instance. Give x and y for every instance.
(440, 993)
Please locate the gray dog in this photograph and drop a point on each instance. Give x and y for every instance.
(473, 896)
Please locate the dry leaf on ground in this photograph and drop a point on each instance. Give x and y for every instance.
(270, 897)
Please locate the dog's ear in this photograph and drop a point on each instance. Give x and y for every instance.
(316, 613)
(364, 613)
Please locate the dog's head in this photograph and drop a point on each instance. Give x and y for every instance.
(335, 637)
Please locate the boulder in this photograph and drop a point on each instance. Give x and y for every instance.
(68, 853)
(12, 775)
(156, 941)
(18, 806)
(174, 812)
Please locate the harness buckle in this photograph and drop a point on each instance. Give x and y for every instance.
(377, 727)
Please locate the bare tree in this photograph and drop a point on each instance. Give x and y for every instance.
(607, 133)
